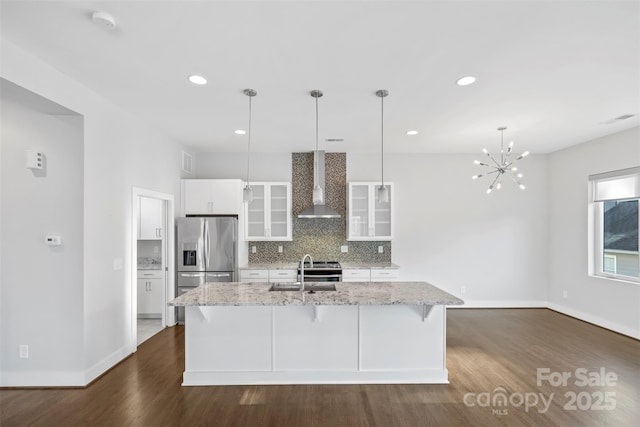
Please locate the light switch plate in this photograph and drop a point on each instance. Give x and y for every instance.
(253, 249)
(344, 249)
(380, 249)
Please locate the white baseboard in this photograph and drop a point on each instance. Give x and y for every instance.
(413, 376)
(107, 363)
(607, 324)
(501, 304)
(590, 318)
(43, 379)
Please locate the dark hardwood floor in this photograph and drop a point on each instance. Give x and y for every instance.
(490, 354)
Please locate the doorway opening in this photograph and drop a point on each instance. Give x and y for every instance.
(152, 277)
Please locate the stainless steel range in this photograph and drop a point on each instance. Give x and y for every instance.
(320, 271)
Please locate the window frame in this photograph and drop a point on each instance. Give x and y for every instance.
(596, 228)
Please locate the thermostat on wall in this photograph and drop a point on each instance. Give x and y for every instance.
(53, 240)
(35, 159)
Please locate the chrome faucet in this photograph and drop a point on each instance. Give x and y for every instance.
(302, 270)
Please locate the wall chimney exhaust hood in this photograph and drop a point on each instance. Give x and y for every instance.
(319, 210)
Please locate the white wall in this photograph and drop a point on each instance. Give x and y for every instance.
(120, 152)
(450, 233)
(264, 166)
(42, 291)
(613, 304)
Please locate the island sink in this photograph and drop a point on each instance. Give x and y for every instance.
(311, 287)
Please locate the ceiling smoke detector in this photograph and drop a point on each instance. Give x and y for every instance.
(104, 19)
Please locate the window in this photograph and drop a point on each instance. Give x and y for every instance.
(614, 221)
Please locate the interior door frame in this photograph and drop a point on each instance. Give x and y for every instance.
(168, 314)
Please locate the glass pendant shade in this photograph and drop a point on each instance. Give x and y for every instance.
(247, 194)
(382, 195)
(318, 195)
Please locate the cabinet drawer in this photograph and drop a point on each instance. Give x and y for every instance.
(360, 275)
(150, 274)
(283, 275)
(384, 275)
(254, 275)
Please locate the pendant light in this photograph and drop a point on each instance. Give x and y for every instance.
(504, 167)
(247, 192)
(318, 192)
(382, 194)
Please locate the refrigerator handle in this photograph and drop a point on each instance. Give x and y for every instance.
(206, 244)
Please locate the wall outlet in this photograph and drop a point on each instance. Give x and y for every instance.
(24, 351)
(253, 249)
(380, 249)
(156, 249)
(117, 264)
(344, 248)
(565, 294)
(463, 289)
(280, 249)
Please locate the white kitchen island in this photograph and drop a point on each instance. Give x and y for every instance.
(239, 333)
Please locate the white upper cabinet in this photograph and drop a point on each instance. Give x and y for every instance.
(150, 225)
(268, 216)
(211, 196)
(367, 218)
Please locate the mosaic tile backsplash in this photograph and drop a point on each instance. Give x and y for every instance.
(322, 238)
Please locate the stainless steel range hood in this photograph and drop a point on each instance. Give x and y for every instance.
(319, 210)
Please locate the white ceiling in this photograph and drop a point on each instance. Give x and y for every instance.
(551, 71)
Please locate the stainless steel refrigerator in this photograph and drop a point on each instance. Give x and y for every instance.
(206, 252)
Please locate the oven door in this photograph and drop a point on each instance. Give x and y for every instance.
(321, 275)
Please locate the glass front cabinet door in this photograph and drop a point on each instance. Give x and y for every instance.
(369, 219)
(268, 216)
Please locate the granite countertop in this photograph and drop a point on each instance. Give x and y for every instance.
(149, 266)
(149, 263)
(294, 266)
(352, 293)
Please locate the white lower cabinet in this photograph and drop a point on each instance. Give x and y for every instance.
(384, 275)
(272, 276)
(356, 275)
(150, 293)
(283, 276)
(254, 276)
(371, 275)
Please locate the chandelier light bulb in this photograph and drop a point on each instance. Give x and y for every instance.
(514, 168)
(519, 175)
(522, 187)
(499, 186)
(476, 162)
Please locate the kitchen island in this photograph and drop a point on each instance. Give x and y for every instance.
(363, 332)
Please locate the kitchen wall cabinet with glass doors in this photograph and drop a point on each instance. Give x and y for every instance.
(268, 216)
(368, 219)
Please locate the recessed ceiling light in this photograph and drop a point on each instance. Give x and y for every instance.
(197, 80)
(465, 81)
(240, 132)
(412, 132)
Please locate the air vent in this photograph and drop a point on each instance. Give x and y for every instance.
(334, 139)
(618, 119)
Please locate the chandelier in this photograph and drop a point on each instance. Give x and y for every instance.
(506, 165)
